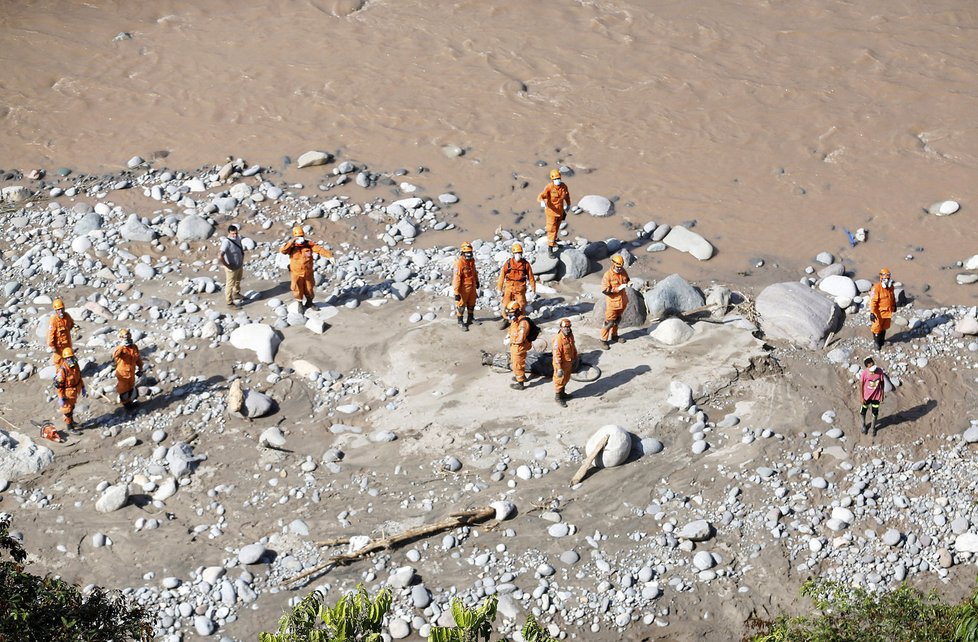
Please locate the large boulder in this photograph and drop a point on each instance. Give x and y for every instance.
(672, 332)
(794, 312)
(14, 194)
(596, 250)
(194, 228)
(596, 205)
(838, 285)
(633, 316)
(615, 451)
(259, 337)
(574, 264)
(544, 264)
(258, 404)
(181, 460)
(672, 295)
(88, 223)
(20, 456)
(684, 240)
(135, 230)
(313, 158)
(113, 498)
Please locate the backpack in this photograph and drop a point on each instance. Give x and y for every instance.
(534, 332)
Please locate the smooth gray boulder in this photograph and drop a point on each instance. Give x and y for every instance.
(194, 228)
(596, 250)
(136, 231)
(616, 451)
(112, 499)
(250, 554)
(699, 530)
(794, 312)
(258, 404)
(574, 264)
(20, 456)
(259, 337)
(672, 295)
(633, 316)
(543, 264)
(595, 205)
(313, 158)
(684, 240)
(88, 223)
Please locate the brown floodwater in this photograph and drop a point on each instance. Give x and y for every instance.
(772, 124)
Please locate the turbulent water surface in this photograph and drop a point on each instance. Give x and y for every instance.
(766, 122)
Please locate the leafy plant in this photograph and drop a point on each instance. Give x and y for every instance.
(848, 614)
(533, 632)
(354, 618)
(48, 609)
(471, 625)
(967, 629)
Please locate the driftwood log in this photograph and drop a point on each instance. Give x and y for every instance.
(582, 471)
(474, 516)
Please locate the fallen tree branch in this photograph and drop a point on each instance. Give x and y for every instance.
(465, 518)
(582, 471)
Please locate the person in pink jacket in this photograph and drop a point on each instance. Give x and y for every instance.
(871, 382)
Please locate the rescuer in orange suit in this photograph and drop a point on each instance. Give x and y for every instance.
(555, 200)
(300, 253)
(59, 330)
(564, 356)
(519, 343)
(513, 279)
(613, 287)
(128, 366)
(68, 382)
(465, 283)
(882, 305)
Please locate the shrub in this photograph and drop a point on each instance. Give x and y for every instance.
(847, 614)
(48, 609)
(357, 618)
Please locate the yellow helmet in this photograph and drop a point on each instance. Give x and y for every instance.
(67, 352)
(517, 248)
(618, 260)
(513, 305)
(124, 333)
(466, 247)
(298, 231)
(58, 304)
(565, 323)
(885, 272)
(554, 173)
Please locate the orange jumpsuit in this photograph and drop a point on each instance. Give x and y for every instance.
(565, 354)
(518, 347)
(59, 333)
(465, 283)
(556, 199)
(882, 304)
(68, 381)
(615, 302)
(300, 265)
(513, 280)
(127, 362)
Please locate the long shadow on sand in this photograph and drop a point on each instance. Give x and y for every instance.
(606, 383)
(161, 401)
(279, 288)
(910, 414)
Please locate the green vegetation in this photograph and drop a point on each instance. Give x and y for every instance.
(357, 618)
(47, 609)
(848, 614)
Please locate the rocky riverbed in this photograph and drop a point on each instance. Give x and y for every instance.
(269, 439)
